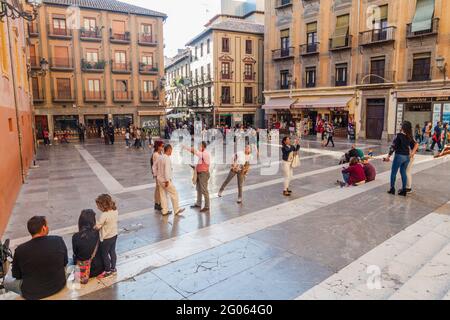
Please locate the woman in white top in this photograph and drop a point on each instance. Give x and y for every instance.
(157, 152)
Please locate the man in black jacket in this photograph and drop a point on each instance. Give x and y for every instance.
(39, 264)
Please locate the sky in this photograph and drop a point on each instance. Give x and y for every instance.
(186, 19)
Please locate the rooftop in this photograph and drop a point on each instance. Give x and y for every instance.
(108, 5)
(234, 25)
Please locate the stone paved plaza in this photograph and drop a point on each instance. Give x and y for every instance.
(318, 244)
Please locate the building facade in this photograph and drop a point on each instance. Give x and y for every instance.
(106, 65)
(226, 73)
(177, 73)
(373, 63)
(16, 114)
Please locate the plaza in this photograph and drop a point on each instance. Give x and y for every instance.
(316, 245)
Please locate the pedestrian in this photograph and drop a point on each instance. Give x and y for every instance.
(164, 177)
(427, 136)
(330, 133)
(111, 133)
(240, 168)
(445, 136)
(46, 137)
(157, 152)
(418, 133)
(405, 148)
(81, 132)
(437, 137)
(202, 171)
(108, 227)
(127, 138)
(288, 154)
(353, 175)
(138, 142)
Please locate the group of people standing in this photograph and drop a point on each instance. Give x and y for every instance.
(428, 136)
(326, 129)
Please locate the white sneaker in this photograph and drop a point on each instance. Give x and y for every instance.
(180, 212)
(239, 200)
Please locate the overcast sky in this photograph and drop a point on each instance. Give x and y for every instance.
(186, 18)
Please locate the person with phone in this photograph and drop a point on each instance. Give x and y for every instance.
(288, 152)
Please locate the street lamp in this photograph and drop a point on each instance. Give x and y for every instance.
(43, 63)
(442, 66)
(13, 12)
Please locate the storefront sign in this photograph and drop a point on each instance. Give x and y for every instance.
(237, 117)
(400, 110)
(422, 99)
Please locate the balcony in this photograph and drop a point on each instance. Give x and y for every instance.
(120, 38)
(284, 53)
(63, 96)
(283, 85)
(64, 64)
(309, 49)
(420, 74)
(206, 78)
(93, 67)
(281, 4)
(311, 84)
(122, 96)
(59, 33)
(148, 69)
(340, 43)
(377, 36)
(226, 75)
(151, 96)
(33, 29)
(146, 39)
(249, 76)
(380, 77)
(94, 35)
(434, 30)
(94, 96)
(121, 67)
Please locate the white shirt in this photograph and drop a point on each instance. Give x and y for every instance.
(163, 168)
(108, 224)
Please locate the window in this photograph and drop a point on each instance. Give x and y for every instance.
(147, 59)
(92, 55)
(196, 56)
(226, 95)
(33, 57)
(93, 91)
(380, 23)
(208, 46)
(118, 28)
(209, 95)
(226, 70)
(248, 71)
(423, 18)
(202, 72)
(310, 77)
(63, 88)
(147, 88)
(377, 66)
(201, 49)
(248, 95)
(341, 75)
(248, 46)
(120, 57)
(284, 42)
(121, 89)
(225, 45)
(340, 37)
(61, 57)
(421, 67)
(311, 35)
(284, 79)
(208, 68)
(90, 24)
(59, 26)
(146, 29)
(36, 88)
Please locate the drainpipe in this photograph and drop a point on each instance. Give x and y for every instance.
(19, 132)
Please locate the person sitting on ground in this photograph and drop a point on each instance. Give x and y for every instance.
(39, 265)
(369, 170)
(352, 153)
(353, 175)
(86, 242)
(444, 152)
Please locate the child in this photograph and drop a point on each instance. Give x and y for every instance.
(108, 227)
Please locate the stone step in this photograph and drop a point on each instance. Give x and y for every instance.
(431, 282)
(397, 259)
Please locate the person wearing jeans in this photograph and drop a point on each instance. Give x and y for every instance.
(405, 148)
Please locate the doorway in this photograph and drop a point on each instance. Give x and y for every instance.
(94, 125)
(375, 118)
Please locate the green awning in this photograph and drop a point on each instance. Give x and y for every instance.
(424, 15)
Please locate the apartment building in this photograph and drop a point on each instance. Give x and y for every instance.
(226, 70)
(16, 113)
(106, 65)
(374, 63)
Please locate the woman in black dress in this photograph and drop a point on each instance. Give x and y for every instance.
(85, 241)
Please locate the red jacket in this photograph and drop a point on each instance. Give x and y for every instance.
(356, 173)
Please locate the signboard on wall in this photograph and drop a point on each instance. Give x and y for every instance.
(400, 111)
(237, 117)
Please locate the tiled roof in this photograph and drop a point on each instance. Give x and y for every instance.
(176, 59)
(108, 5)
(232, 25)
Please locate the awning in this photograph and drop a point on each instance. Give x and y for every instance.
(321, 103)
(424, 14)
(278, 104)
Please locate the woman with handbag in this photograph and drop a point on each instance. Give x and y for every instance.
(85, 243)
(290, 161)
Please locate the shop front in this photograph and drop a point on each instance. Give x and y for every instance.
(94, 125)
(41, 124)
(65, 126)
(419, 110)
(121, 123)
(278, 113)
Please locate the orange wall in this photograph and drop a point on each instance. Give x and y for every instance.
(13, 79)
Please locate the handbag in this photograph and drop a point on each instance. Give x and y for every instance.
(295, 160)
(84, 267)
